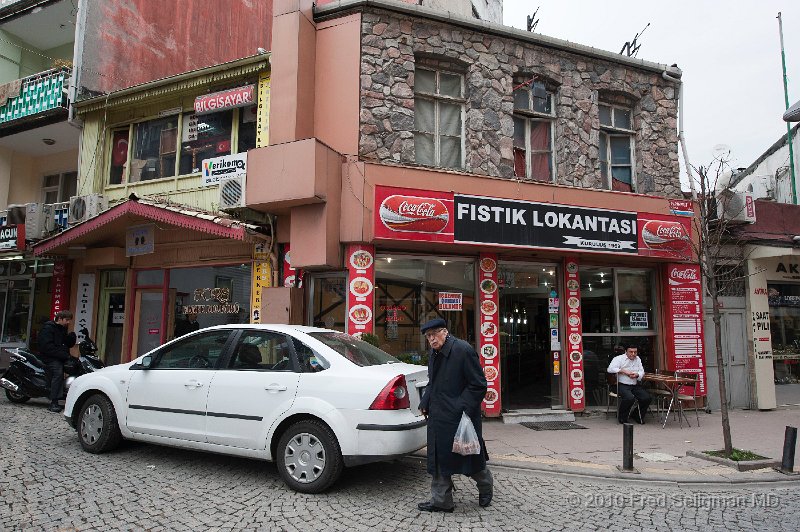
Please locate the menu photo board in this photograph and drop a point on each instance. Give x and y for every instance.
(573, 336)
(361, 288)
(489, 330)
(684, 321)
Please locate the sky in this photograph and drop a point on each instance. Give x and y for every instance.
(729, 51)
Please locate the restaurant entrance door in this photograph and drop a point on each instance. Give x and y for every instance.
(526, 366)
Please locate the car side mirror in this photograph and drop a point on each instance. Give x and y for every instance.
(146, 362)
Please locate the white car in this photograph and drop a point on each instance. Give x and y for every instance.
(313, 400)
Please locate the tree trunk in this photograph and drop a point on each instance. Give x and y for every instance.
(723, 393)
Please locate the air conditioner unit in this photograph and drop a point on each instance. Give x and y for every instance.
(82, 208)
(231, 193)
(736, 207)
(60, 218)
(37, 220)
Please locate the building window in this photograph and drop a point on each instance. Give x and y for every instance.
(59, 187)
(438, 118)
(178, 144)
(616, 147)
(533, 132)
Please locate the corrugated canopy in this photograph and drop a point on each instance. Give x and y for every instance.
(108, 229)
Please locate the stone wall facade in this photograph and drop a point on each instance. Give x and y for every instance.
(392, 46)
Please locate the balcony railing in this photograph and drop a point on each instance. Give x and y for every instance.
(38, 93)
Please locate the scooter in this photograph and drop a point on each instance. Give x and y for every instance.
(26, 374)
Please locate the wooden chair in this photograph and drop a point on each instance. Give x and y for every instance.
(683, 398)
(659, 394)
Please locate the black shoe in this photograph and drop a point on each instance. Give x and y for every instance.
(55, 407)
(485, 500)
(429, 507)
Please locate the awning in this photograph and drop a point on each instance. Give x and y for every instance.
(109, 227)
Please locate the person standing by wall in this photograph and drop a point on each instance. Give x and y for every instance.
(456, 385)
(55, 342)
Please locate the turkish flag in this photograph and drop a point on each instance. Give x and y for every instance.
(119, 151)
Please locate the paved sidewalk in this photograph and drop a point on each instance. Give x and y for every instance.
(659, 454)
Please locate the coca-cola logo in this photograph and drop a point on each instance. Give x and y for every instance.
(411, 213)
(688, 274)
(665, 235)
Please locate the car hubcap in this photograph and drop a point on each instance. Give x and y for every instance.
(304, 457)
(91, 424)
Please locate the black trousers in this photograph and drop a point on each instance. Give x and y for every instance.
(628, 394)
(55, 378)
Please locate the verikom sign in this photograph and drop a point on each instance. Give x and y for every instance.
(406, 214)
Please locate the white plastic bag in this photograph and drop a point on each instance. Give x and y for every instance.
(466, 441)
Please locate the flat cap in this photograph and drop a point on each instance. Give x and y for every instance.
(438, 323)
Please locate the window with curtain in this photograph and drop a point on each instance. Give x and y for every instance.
(438, 118)
(533, 132)
(616, 147)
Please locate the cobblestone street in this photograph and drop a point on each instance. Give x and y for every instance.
(49, 483)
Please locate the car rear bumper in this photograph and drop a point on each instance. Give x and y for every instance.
(382, 442)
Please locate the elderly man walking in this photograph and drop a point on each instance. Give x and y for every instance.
(456, 384)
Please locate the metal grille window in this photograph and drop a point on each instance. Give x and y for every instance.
(616, 147)
(438, 118)
(533, 132)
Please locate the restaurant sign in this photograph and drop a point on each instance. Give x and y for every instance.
(229, 99)
(419, 215)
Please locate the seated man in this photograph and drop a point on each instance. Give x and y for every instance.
(629, 370)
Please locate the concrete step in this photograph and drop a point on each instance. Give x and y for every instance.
(537, 414)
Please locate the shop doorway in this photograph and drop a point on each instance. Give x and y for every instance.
(328, 301)
(112, 320)
(149, 319)
(527, 369)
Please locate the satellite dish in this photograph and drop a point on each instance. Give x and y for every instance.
(792, 114)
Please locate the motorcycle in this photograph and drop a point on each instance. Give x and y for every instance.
(26, 374)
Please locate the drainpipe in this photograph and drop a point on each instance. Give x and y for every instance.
(674, 74)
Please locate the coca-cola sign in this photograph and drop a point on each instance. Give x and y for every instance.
(684, 274)
(663, 235)
(415, 214)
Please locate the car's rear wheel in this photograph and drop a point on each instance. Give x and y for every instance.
(97, 425)
(309, 458)
(15, 397)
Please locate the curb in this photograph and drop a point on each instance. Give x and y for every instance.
(749, 465)
(609, 472)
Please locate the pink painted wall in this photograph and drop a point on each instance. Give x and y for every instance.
(134, 41)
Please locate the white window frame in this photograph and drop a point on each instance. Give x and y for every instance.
(614, 131)
(58, 189)
(530, 116)
(436, 98)
(131, 127)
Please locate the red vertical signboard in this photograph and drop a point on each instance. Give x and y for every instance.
(361, 283)
(488, 330)
(684, 321)
(289, 275)
(573, 336)
(60, 288)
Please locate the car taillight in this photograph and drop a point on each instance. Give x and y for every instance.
(394, 396)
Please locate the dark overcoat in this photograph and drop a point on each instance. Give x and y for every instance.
(456, 384)
(55, 341)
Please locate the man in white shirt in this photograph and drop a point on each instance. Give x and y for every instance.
(629, 370)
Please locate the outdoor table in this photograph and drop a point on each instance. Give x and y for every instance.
(673, 385)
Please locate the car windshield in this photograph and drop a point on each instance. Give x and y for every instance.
(356, 351)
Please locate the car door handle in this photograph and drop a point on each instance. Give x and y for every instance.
(193, 384)
(275, 388)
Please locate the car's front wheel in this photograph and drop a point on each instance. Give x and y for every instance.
(15, 397)
(97, 425)
(308, 456)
